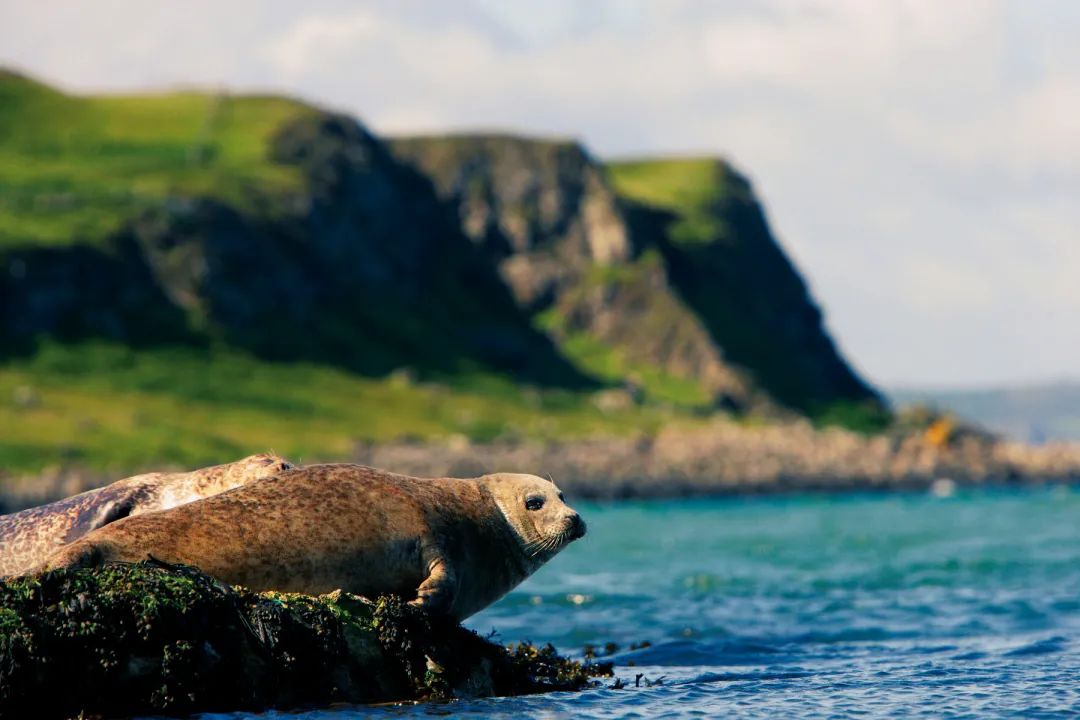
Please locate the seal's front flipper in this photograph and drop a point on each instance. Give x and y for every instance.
(436, 593)
(79, 554)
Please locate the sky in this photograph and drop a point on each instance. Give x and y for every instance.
(919, 159)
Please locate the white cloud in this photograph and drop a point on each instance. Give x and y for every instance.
(316, 42)
(919, 158)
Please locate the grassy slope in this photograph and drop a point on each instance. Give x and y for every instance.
(72, 169)
(685, 186)
(611, 362)
(105, 406)
(443, 156)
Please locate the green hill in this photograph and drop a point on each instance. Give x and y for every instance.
(192, 276)
(725, 264)
(661, 271)
(76, 169)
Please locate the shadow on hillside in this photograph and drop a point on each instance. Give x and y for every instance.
(754, 305)
(368, 271)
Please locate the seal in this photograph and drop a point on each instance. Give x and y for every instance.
(451, 546)
(29, 537)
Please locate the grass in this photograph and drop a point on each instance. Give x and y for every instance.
(628, 285)
(73, 169)
(727, 267)
(610, 364)
(107, 407)
(688, 187)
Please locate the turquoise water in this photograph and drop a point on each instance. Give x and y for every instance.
(890, 605)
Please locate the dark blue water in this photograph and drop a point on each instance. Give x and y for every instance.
(901, 605)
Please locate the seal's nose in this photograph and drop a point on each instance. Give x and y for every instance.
(577, 526)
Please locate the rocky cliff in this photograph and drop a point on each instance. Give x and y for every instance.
(268, 225)
(546, 216)
(727, 265)
(669, 265)
(356, 265)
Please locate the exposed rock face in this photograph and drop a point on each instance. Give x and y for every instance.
(541, 209)
(635, 311)
(728, 310)
(755, 304)
(446, 254)
(364, 269)
(70, 293)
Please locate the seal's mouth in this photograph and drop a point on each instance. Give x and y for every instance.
(577, 528)
(552, 544)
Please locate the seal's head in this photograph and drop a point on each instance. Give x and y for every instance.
(254, 467)
(536, 512)
(258, 466)
(199, 484)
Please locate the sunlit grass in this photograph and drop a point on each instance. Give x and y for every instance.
(611, 364)
(106, 406)
(74, 169)
(688, 187)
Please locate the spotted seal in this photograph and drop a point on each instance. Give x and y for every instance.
(28, 537)
(452, 546)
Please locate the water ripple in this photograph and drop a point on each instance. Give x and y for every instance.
(813, 607)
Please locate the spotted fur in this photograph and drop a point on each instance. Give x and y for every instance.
(28, 537)
(452, 546)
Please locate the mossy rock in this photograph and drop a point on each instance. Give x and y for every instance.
(158, 638)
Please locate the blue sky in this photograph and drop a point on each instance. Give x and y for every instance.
(919, 159)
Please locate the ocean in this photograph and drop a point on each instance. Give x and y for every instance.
(808, 606)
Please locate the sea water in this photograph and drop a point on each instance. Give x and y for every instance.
(809, 606)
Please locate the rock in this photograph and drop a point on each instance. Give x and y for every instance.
(727, 309)
(366, 266)
(153, 638)
(731, 456)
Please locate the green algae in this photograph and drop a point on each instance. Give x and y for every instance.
(152, 637)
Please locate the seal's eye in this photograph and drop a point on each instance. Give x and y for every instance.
(561, 498)
(534, 503)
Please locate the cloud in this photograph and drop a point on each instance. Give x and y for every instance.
(918, 158)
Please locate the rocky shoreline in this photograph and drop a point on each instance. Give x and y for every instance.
(723, 457)
(153, 638)
(728, 457)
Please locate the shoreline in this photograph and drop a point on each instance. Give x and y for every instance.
(727, 458)
(724, 458)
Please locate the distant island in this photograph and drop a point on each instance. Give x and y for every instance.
(1034, 413)
(190, 277)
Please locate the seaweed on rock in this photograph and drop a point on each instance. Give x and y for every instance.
(152, 637)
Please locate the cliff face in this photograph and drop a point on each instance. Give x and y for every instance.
(292, 233)
(724, 261)
(546, 215)
(541, 210)
(687, 280)
(362, 268)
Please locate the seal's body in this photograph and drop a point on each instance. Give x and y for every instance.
(29, 537)
(453, 546)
